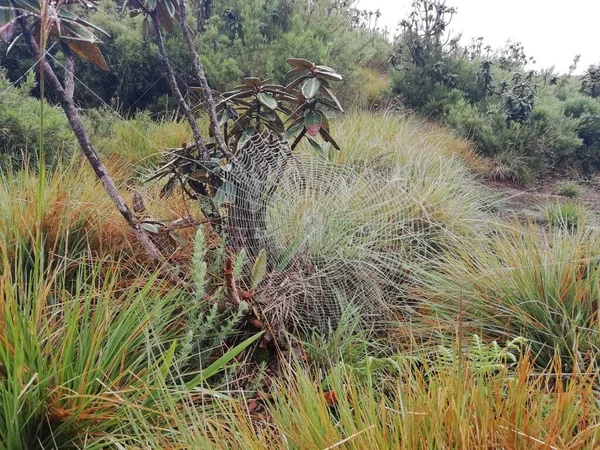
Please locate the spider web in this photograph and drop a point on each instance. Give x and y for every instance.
(333, 236)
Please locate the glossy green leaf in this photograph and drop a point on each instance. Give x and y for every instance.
(329, 75)
(317, 147)
(245, 137)
(224, 116)
(267, 100)
(313, 121)
(327, 92)
(170, 7)
(311, 87)
(225, 194)
(327, 138)
(291, 131)
(300, 62)
(150, 227)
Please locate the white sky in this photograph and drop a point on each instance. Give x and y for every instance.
(552, 31)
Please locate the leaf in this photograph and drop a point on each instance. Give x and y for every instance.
(224, 116)
(311, 87)
(245, 137)
(170, 7)
(324, 68)
(168, 360)
(150, 4)
(145, 28)
(7, 30)
(329, 76)
(317, 147)
(149, 227)
(259, 269)
(220, 363)
(225, 194)
(164, 16)
(299, 62)
(178, 238)
(252, 82)
(313, 121)
(327, 92)
(13, 43)
(327, 138)
(296, 71)
(267, 100)
(292, 131)
(89, 51)
(268, 116)
(135, 12)
(168, 187)
(238, 265)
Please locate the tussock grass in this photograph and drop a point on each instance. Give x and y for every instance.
(385, 140)
(525, 282)
(413, 409)
(74, 354)
(566, 215)
(75, 219)
(358, 228)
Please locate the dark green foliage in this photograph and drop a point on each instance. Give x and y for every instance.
(590, 82)
(239, 38)
(297, 110)
(20, 128)
(539, 120)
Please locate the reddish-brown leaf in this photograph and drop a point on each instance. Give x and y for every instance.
(89, 51)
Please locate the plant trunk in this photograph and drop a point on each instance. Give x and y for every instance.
(208, 102)
(66, 101)
(200, 144)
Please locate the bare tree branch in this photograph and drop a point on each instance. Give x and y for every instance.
(208, 102)
(66, 102)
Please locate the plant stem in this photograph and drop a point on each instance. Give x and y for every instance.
(90, 153)
(208, 102)
(200, 144)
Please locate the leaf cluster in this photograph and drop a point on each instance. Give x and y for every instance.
(299, 109)
(61, 21)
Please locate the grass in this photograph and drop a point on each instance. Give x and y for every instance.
(531, 283)
(362, 225)
(394, 257)
(569, 190)
(410, 409)
(566, 215)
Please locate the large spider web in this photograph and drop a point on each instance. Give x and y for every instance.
(333, 236)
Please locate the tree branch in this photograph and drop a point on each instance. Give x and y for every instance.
(90, 153)
(69, 82)
(208, 102)
(200, 144)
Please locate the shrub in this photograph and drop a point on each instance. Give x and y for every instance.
(20, 126)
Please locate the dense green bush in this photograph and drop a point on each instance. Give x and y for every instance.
(239, 39)
(20, 127)
(537, 119)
